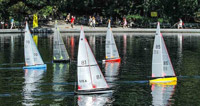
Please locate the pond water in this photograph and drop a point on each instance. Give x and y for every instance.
(55, 86)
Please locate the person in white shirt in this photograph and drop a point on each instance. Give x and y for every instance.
(180, 24)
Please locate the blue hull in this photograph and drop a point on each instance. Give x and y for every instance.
(43, 66)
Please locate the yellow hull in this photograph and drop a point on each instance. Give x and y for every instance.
(168, 81)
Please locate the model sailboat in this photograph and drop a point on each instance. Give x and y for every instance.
(162, 69)
(32, 55)
(60, 53)
(112, 54)
(90, 77)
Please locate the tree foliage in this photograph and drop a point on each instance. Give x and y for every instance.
(168, 10)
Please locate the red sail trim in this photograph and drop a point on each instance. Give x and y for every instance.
(79, 87)
(79, 98)
(94, 86)
(152, 87)
(88, 60)
(113, 60)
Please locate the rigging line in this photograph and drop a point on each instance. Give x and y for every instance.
(85, 41)
(160, 40)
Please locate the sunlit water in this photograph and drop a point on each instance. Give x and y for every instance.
(129, 79)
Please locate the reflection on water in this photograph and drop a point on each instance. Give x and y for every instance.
(32, 81)
(12, 40)
(72, 46)
(162, 93)
(92, 43)
(9, 44)
(128, 78)
(60, 72)
(111, 71)
(179, 51)
(124, 44)
(94, 100)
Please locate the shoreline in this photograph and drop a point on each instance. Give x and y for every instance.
(67, 29)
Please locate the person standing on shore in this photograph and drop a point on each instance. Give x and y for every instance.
(93, 22)
(2, 24)
(72, 22)
(90, 21)
(180, 24)
(68, 18)
(12, 23)
(124, 23)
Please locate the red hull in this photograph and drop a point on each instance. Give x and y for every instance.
(113, 60)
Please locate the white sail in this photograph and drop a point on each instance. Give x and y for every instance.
(59, 51)
(32, 56)
(28, 51)
(111, 48)
(89, 74)
(161, 63)
(161, 94)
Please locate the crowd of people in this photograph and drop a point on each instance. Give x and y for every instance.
(7, 25)
(91, 21)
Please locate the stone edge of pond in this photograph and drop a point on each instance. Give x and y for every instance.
(117, 30)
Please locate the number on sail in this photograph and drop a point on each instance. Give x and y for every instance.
(83, 62)
(155, 52)
(35, 54)
(27, 41)
(98, 76)
(157, 46)
(165, 62)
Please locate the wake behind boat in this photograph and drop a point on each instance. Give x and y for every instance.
(90, 77)
(162, 69)
(112, 54)
(33, 59)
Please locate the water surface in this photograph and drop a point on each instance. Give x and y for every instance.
(129, 78)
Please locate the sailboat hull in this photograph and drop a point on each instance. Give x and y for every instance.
(43, 66)
(84, 92)
(61, 61)
(163, 80)
(112, 60)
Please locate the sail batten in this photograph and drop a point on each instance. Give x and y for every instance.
(89, 74)
(161, 63)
